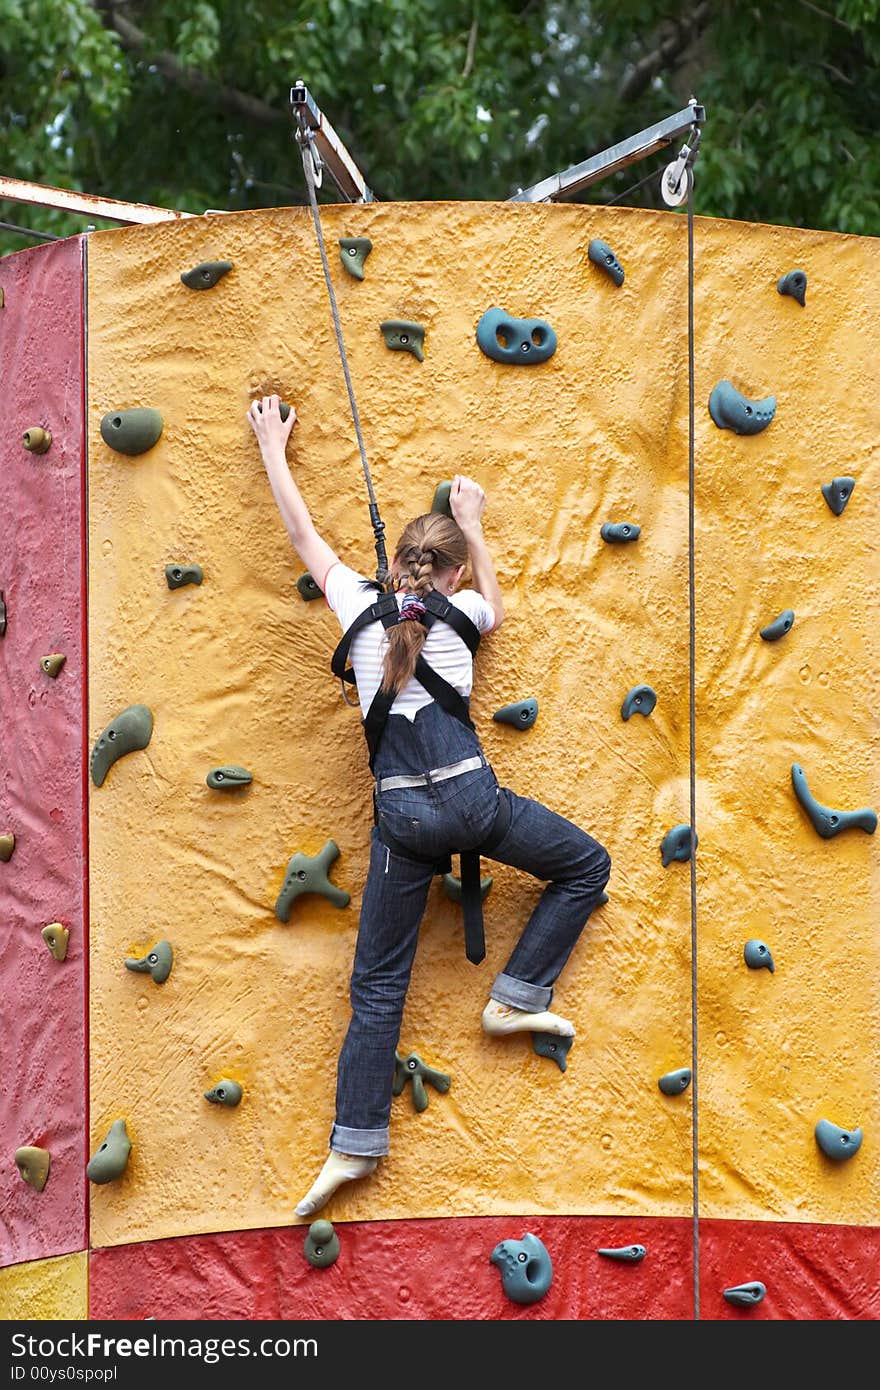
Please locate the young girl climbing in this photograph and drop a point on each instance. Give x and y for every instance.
(435, 793)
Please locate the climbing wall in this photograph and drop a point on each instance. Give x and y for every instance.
(43, 889)
(232, 671)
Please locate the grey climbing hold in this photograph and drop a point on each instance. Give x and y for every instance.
(779, 626)
(600, 254)
(321, 1245)
(401, 335)
(205, 275)
(441, 499)
(156, 963)
(131, 730)
(353, 251)
(412, 1069)
(33, 1166)
(308, 588)
(522, 715)
(526, 1268)
(732, 411)
(620, 532)
(110, 1160)
(452, 887)
(757, 955)
(52, 664)
(837, 493)
(674, 1082)
(676, 844)
(283, 409)
(228, 777)
(225, 1092)
(554, 1046)
(178, 575)
(518, 342)
(746, 1295)
(7, 845)
(131, 431)
(3, 615)
(640, 700)
(308, 874)
(827, 822)
(793, 283)
(837, 1143)
(631, 1254)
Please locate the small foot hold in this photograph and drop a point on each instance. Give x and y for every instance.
(500, 1019)
(338, 1169)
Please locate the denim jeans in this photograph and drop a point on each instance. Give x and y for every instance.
(451, 815)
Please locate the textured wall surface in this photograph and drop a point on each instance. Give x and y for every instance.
(236, 670)
(441, 1270)
(43, 1098)
(46, 1290)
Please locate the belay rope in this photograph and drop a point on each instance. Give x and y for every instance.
(312, 169)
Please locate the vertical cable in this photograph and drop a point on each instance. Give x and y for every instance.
(692, 626)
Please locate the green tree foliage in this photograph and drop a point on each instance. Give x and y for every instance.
(184, 103)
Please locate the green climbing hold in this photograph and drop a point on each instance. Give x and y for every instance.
(7, 845)
(56, 937)
(414, 1070)
(640, 700)
(826, 821)
(629, 1254)
(452, 888)
(757, 955)
(131, 431)
(837, 1143)
(111, 1158)
(308, 874)
(526, 1268)
(178, 575)
(228, 777)
(403, 336)
(441, 499)
(33, 1166)
(745, 1295)
(308, 588)
(522, 715)
(793, 283)
(37, 440)
(552, 1045)
(620, 532)
(321, 1245)
(283, 409)
(517, 342)
(837, 493)
(779, 626)
(731, 410)
(600, 254)
(52, 664)
(676, 844)
(674, 1082)
(156, 963)
(353, 251)
(205, 275)
(226, 1093)
(129, 731)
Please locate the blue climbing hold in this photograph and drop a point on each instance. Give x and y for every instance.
(676, 844)
(757, 955)
(640, 700)
(526, 1268)
(522, 715)
(837, 493)
(631, 1254)
(837, 1143)
(554, 1046)
(827, 822)
(620, 532)
(794, 283)
(732, 411)
(674, 1082)
(746, 1295)
(779, 626)
(518, 342)
(600, 254)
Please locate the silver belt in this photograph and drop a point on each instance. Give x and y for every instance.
(424, 779)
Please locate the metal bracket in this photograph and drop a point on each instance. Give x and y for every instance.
(316, 133)
(573, 180)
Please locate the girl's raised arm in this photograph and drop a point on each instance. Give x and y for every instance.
(272, 435)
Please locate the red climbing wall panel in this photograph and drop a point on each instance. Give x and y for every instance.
(440, 1270)
(42, 566)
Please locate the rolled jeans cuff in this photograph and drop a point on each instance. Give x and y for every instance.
(519, 994)
(366, 1143)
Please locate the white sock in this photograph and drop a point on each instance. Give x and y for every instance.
(499, 1019)
(338, 1169)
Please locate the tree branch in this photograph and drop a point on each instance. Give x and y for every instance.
(136, 41)
(469, 55)
(669, 52)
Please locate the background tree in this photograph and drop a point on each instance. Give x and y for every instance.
(184, 103)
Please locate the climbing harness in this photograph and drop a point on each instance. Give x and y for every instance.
(437, 609)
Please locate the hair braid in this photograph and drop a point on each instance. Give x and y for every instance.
(430, 542)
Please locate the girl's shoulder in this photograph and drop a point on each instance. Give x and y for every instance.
(475, 607)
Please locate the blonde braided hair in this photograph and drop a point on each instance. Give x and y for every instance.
(429, 543)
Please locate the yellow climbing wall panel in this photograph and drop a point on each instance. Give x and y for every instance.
(236, 671)
(46, 1290)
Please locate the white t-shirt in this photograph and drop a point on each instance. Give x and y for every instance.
(443, 650)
